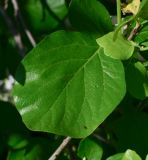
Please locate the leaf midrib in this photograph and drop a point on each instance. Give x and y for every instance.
(46, 112)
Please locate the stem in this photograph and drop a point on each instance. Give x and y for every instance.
(17, 13)
(118, 11)
(134, 31)
(60, 148)
(16, 35)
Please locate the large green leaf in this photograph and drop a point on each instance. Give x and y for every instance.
(90, 16)
(67, 85)
(118, 49)
(90, 150)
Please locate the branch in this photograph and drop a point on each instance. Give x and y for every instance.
(17, 13)
(101, 138)
(60, 148)
(14, 32)
(5, 4)
(134, 31)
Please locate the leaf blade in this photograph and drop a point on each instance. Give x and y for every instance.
(70, 83)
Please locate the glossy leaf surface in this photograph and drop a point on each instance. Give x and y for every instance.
(72, 85)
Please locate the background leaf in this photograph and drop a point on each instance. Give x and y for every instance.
(73, 85)
(131, 155)
(139, 86)
(142, 35)
(43, 16)
(129, 129)
(143, 12)
(37, 149)
(116, 157)
(90, 150)
(90, 16)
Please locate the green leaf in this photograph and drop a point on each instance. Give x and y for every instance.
(143, 11)
(72, 85)
(58, 7)
(90, 150)
(17, 141)
(43, 16)
(131, 155)
(142, 35)
(137, 80)
(37, 149)
(10, 123)
(145, 44)
(116, 157)
(119, 49)
(90, 16)
(131, 131)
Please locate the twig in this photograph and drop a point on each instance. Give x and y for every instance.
(17, 13)
(60, 148)
(14, 32)
(5, 4)
(101, 138)
(134, 31)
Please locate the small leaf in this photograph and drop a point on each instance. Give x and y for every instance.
(131, 155)
(58, 7)
(132, 7)
(145, 44)
(17, 141)
(73, 85)
(37, 149)
(90, 150)
(90, 16)
(116, 157)
(142, 35)
(119, 49)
